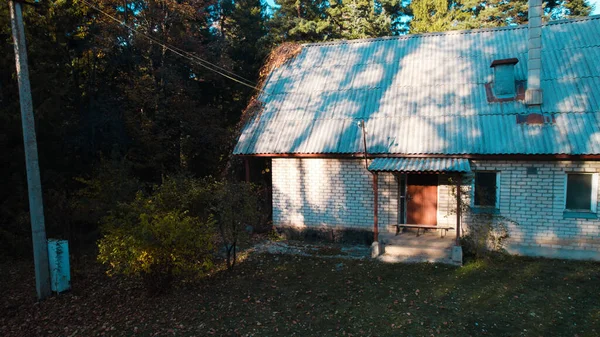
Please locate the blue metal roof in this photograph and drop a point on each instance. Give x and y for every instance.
(420, 165)
(425, 94)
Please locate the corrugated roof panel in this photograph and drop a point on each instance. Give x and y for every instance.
(425, 94)
(293, 134)
(590, 126)
(351, 140)
(591, 86)
(420, 165)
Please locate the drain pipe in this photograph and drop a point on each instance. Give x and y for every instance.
(457, 253)
(458, 209)
(375, 184)
(375, 247)
(376, 207)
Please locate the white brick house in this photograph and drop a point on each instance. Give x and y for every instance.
(513, 115)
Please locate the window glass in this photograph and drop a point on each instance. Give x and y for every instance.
(579, 191)
(485, 189)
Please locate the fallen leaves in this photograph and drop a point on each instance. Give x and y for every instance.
(296, 296)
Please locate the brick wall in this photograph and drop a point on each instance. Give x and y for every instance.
(536, 202)
(334, 193)
(338, 193)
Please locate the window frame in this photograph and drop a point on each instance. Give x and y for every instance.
(496, 205)
(593, 199)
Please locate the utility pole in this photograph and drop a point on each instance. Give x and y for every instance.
(36, 207)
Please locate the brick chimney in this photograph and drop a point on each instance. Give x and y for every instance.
(533, 95)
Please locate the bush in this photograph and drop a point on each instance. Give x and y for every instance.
(485, 237)
(235, 207)
(151, 239)
(172, 231)
(486, 232)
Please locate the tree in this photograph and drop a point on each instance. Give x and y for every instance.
(300, 20)
(235, 207)
(358, 19)
(442, 15)
(102, 91)
(314, 21)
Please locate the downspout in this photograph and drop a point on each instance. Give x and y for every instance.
(375, 184)
(458, 209)
(376, 206)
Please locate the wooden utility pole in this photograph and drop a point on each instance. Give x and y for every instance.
(36, 207)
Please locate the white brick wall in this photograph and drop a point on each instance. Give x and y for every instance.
(536, 203)
(329, 193)
(446, 202)
(338, 193)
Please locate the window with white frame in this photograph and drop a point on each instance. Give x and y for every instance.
(486, 189)
(581, 192)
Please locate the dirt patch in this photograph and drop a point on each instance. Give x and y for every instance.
(329, 251)
(318, 235)
(303, 248)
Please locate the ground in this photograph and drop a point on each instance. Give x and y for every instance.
(290, 295)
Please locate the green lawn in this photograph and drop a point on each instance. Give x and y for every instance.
(269, 295)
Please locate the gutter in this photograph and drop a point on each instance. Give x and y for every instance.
(357, 155)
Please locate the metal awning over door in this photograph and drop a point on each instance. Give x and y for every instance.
(420, 165)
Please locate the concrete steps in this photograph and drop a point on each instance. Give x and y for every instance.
(432, 252)
(408, 248)
(415, 259)
(417, 242)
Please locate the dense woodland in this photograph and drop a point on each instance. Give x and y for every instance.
(117, 113)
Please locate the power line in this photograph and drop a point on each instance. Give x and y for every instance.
(203, 63)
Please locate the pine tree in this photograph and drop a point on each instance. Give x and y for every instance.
(358, 19)
(442, 15)
(318, 20)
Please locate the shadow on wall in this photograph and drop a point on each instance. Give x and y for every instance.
(319, 194)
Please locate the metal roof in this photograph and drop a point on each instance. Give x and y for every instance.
(420, 165)
(425, 94)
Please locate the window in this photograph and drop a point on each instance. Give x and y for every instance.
(486, 191)
(581, 192)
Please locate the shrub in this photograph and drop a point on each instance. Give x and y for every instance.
(148, 238)
(172, 231)
(235, 207)
(486, 232)
(485, 236)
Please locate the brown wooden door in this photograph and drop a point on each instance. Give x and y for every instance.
(421, 195)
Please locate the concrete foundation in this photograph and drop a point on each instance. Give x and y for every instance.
(554, 253)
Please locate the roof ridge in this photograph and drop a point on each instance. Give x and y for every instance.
(450, 32)
(574, 19)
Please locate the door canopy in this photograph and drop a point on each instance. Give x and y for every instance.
(420, 165)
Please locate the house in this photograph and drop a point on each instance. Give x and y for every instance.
(368, 134)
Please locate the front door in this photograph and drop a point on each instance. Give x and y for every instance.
(421, 196)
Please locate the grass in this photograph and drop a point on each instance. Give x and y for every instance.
(272, 295)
